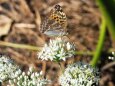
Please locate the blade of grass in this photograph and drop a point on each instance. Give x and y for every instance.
(107, 8)
(22, 46)
(36, 48)
(100, 43)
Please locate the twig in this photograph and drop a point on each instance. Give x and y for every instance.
(22, 46)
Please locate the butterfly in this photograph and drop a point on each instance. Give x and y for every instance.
(55, 23)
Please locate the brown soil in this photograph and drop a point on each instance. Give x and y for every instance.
(84, 19)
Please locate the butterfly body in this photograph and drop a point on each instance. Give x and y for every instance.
(56, 22)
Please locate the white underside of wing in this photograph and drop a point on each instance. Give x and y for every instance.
(54, 33)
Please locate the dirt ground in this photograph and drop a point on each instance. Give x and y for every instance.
(21, 19)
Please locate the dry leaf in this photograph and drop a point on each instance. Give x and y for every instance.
(5, 24)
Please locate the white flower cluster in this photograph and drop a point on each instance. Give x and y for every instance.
(30, 78)
(8, 69)
(112, 57)
(56, 50)
(79, 74)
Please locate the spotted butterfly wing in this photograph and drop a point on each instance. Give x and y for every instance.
(55, 23)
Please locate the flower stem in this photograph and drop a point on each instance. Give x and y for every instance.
(61, 68)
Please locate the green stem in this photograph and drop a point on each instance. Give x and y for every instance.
(100, 43)
(61, 68)
(85, 53)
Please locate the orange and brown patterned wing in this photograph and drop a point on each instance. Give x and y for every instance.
(55, 21)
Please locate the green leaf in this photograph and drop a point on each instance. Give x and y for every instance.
(107, 8)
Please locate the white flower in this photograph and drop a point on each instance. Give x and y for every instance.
(56, 50)
(112, 57)
(79, 74)
(30, 78)
(113, 53)
(8, 69)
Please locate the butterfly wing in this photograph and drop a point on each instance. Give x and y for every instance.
(56, 21)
